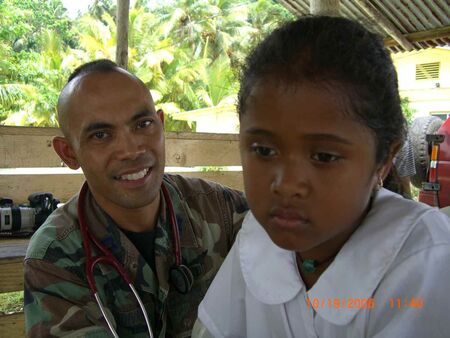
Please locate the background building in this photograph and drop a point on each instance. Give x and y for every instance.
(424, 78)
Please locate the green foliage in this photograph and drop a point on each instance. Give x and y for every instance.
(211, 169)
(415, 193)
(11, 302)
(187, 52)
(407, 110)
(24, 21)
(101, 7)
(34, 36)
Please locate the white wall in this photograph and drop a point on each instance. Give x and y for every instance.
(425, 96)
(225, 122)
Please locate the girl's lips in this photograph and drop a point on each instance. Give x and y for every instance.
(287, 219)
(287, 213)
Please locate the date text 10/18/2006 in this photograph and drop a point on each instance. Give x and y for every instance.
(363, 303)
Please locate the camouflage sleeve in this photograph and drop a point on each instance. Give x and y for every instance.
(58, 303)
(237, 206)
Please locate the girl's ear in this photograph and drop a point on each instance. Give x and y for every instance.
(383, 171)
(65, 151)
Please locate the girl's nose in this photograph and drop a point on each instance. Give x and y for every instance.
(291, 181)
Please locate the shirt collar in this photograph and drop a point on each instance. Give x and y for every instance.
(103, 227)
(185, 227)
(271, 273)
(106, 230)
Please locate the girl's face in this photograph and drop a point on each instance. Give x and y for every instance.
(309, 167)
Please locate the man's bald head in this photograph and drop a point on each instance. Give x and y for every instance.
(74, 82)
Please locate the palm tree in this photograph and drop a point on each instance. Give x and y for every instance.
(35, 98)
(97, 38)
(219, 85)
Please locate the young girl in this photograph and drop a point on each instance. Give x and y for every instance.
(326, 251)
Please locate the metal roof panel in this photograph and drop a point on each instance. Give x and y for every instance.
(430, 18)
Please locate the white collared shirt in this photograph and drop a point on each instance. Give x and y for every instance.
(391, 279)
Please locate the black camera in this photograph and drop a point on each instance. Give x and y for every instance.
(23, 220)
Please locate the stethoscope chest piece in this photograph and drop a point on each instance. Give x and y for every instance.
(181, 278)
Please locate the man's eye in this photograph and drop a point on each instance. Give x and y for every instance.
(264, 151)
(144, 124)
(100, 135)
(325, 157)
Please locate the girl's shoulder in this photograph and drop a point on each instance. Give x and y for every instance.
(421, 225)
(397, 231)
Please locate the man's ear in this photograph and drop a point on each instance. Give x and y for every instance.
(65, 151)
(160, 114)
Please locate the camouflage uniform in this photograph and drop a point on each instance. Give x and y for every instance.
(58, 301)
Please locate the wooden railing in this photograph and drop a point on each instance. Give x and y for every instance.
(23, 148)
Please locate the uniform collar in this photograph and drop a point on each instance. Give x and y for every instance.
(103, 227)
(272, 276)
(185, 227)
(269, 271)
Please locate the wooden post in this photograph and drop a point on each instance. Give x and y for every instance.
(123, 10)
(324, 7)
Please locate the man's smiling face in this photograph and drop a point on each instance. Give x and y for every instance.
(117, 138)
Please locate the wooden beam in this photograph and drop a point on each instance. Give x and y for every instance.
(63, 187)
(384, 23)
(19, 146)
(11, 274)
(437, 33)
(325, 7)
(123, 10)
(12, 325)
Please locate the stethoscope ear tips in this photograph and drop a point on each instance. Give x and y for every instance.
(181, 278)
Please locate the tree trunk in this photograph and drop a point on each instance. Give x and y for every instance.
(324, 7)
(123, 10)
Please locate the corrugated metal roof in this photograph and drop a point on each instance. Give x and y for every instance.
(422, 23)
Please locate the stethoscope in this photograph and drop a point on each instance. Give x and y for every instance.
(180, 275)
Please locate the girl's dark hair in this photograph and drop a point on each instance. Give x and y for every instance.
(334, 52)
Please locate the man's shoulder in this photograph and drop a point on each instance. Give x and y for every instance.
(193, 185)
(59, 233)
(215, 212)
(192, 188)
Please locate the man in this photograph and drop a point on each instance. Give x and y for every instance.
(113, 132)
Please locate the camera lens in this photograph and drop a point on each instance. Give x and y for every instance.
(16, 219)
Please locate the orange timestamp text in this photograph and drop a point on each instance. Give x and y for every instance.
(341, 303)
(413, 302)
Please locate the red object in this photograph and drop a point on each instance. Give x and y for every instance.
(439, 172)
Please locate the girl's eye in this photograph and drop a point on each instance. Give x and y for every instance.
(325, 157)
(264, 151)
(144, 124)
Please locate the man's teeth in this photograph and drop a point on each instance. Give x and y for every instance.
(135, 176)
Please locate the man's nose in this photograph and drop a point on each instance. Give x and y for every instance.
(291, 180)
(129, 146)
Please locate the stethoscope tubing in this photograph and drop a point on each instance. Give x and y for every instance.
(107, 258)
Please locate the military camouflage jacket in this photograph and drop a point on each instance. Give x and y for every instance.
(58, 301)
